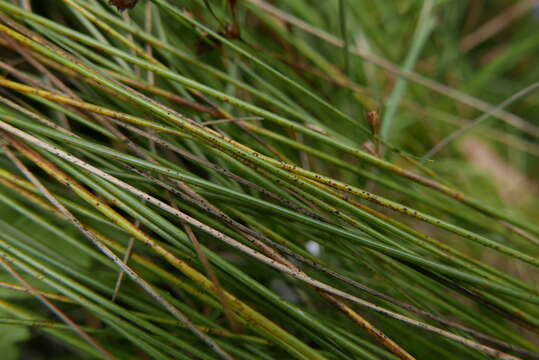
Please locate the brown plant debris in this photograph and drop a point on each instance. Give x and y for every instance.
(123, 4)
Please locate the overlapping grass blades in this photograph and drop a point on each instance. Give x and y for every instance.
(231, 139)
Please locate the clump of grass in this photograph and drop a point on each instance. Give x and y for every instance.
(268, 180)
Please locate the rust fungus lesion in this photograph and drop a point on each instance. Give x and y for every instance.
(123, 4)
